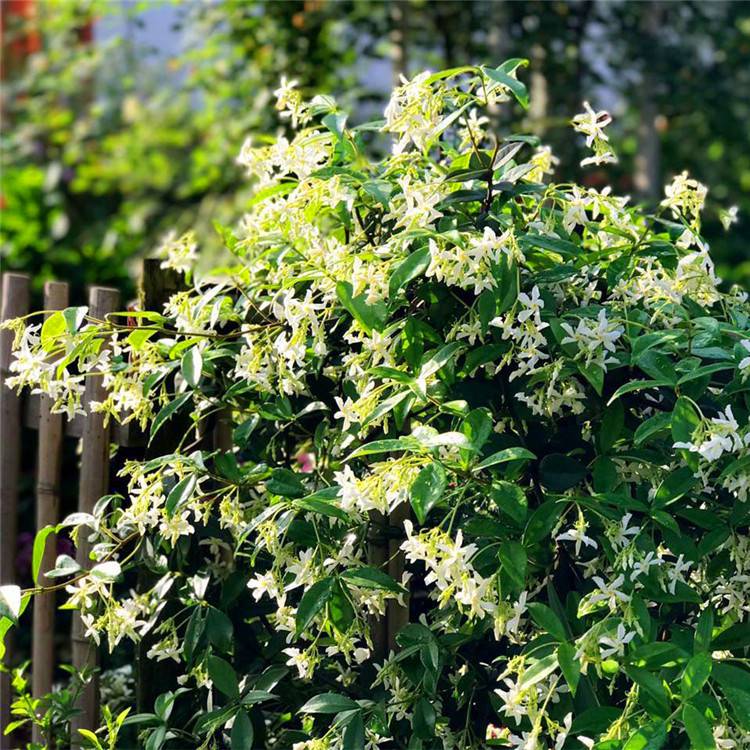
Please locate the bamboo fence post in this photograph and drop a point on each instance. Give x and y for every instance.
(49, 461)
(94, 481)
(15, 302)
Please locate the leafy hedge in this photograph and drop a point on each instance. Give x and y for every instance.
(534, 390)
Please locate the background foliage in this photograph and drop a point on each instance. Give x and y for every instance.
(108, 145)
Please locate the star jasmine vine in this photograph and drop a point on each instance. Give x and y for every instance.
(513, 407)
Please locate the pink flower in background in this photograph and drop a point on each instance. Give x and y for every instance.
(306, 462)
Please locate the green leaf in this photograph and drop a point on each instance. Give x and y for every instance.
(649, 737)
(313, 601)
(559, 472)
(652, 426)
(52, 328)
(414, 265)
(191, 366)
(322, 507)
(676, 485)
(328, 703)
(223, 676)
(704, 631)
(502, 76)
(657, 365)
(286, 483)
(370, 317)
(180, 493)
(514, 561)
(511, 500)
(542, 521)
(594, 374)
(651, 692)
(340, 608)
(372, 578)
(423, 721)
(636, 385)
(547, 620)
(538, 671)
(507, 454)
(733, 638)
(569, 665)
(685, 420)
(428, 489)
(335, 122)
(219, 629)
(699, 372)
(74, 316)
(696, 675)
(353, 736)
(697, 728)
(40, 542)
(167, 412)
(242, 732)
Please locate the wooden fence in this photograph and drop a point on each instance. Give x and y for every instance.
(33, 412)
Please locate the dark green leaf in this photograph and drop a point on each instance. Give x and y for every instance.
(180, 493)
(372, 578)
(559, 472)
(696, 675)
(328, 703)
(415, 265)
(286, 483)
(547, 620)
(242, 732)
(167, 412)
(569, 665)
(223, 676)
(698, 729)
(511, 499)
(507, 454)
(313, 601)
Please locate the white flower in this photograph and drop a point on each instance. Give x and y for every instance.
(643, 566)
(744, 365)
(577, 534)
(609, 592)
(592, 124)
(615, 644)
(728, 216)
(619, 536)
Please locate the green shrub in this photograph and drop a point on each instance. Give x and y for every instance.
(552, 383)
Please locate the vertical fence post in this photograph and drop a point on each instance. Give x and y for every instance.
(15, 287)
(49, 461)
(93, 484)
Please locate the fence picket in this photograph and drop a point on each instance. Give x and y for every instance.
(15, 303)
(93, 484)
(49, 462)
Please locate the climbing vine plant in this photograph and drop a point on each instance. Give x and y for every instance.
(534, 392)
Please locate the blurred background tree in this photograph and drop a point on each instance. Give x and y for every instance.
(121, 121)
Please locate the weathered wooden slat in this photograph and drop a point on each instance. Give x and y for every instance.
(49, 462)
(15, 303)
(93, 484)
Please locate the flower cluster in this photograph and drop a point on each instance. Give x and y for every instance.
(485, 480)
